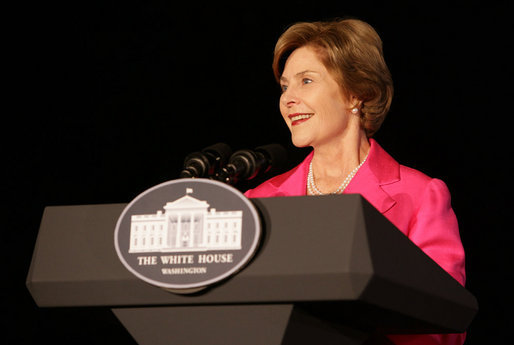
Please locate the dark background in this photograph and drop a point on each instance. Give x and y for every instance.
(107, 98)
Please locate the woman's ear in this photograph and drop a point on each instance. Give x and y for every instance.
(355, 102)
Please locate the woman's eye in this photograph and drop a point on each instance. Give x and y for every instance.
(283, 88)
(306, 80)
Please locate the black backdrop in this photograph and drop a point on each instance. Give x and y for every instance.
(109, 97)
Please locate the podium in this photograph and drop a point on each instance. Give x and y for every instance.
(329, 270)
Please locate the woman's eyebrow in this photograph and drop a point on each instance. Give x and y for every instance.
(305, 72)
(299, 74)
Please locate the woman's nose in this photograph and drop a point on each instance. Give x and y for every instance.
(289, 97)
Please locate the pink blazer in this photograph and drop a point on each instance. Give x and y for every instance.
(416, 204)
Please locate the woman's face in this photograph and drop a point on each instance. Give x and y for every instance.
(312, 102)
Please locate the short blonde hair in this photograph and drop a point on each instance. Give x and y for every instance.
(351, 50)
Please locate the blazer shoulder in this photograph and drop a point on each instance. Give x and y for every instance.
(417, 182)
(412, 175)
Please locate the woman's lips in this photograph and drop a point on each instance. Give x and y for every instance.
(298, 118)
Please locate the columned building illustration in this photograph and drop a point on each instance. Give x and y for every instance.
(187, 224)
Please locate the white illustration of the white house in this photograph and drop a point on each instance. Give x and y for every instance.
(186, 224)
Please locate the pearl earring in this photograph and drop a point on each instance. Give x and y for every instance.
(355, 110)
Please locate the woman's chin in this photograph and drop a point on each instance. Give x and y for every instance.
(300, 142)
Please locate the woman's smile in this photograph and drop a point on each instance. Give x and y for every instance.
(298, 118)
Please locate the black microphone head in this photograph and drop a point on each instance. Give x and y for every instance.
(276, 157)
(196, 164)
(219, 154)
(206, 162)
(244, 164)
(248, 164)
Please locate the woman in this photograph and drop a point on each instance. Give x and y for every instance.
(336, 92)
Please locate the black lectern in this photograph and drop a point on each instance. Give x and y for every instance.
(329, 270)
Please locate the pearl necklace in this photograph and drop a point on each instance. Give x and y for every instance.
(313, 189)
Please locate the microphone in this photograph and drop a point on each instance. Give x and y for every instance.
(248, 164)
(206, 162)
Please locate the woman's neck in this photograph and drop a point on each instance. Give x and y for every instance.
(334, 161)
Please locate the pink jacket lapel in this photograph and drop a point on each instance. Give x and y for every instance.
(293, 182)
(379, 169)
